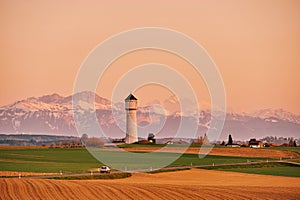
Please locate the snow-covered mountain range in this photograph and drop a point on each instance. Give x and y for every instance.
(53, 114)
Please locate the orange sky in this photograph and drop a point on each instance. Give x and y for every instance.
(254, 43)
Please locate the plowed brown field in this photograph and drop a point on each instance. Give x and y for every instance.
(191, 184)
(242, 152)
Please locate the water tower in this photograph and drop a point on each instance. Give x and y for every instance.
(131, 122)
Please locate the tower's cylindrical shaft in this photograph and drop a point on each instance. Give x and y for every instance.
(131, 127)
(131, 120)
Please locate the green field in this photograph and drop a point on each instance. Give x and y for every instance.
(47, 160)
(192, 159)
(81, 161)
(275, 169)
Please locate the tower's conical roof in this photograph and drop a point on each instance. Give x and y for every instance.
(130, 97)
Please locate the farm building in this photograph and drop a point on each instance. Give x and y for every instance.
(233, 145)
(253, 143)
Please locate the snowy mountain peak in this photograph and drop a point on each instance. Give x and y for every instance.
(53, 114)
(89, 97)
(280, 114)
(50, 98)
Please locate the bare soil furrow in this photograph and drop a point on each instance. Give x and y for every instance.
(191, 184)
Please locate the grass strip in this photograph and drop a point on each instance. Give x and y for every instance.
(92, 177)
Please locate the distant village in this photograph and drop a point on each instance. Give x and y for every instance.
(269, 141)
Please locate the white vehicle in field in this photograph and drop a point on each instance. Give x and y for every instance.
(105, 169)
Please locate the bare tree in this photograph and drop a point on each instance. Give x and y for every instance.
(291, 142)
(84, 138)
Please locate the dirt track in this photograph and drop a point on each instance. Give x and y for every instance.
(192, 184)
(242, 152)
(11, 173)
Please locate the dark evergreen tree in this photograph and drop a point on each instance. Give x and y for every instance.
(295, 143)
(229, 139)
